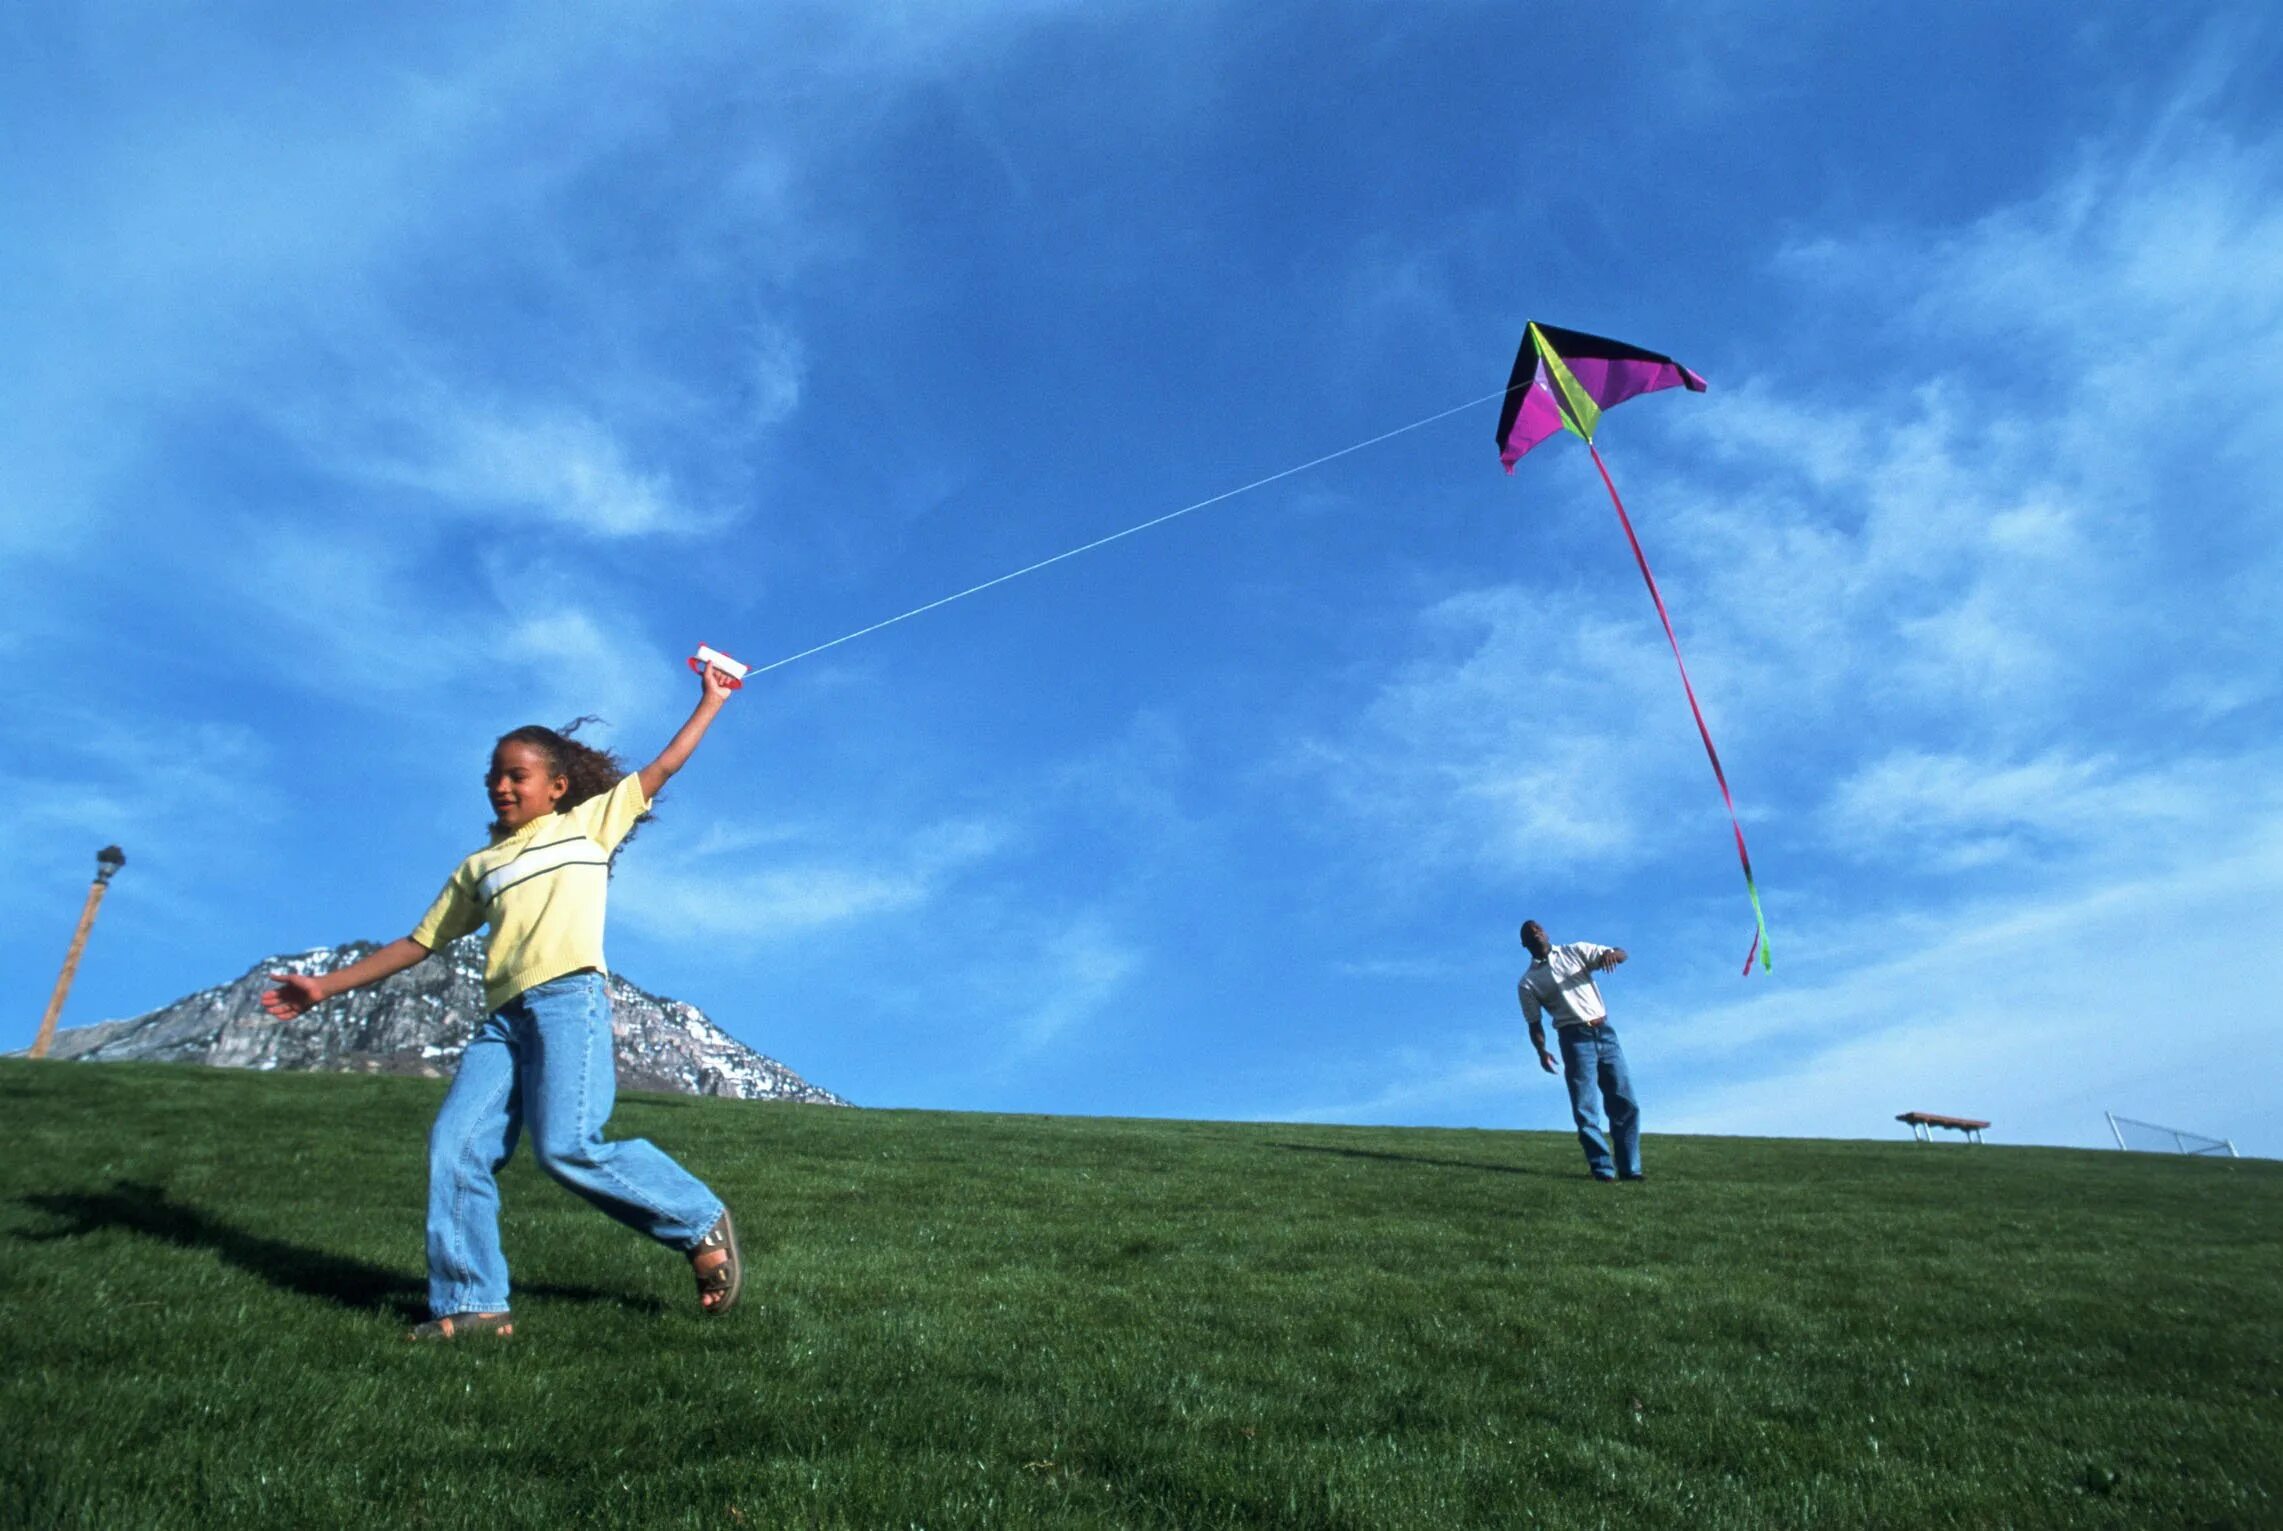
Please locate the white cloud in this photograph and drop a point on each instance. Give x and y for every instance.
(346, 613)
(693, 896)
(1402, 969)
(1134, 790)
(2149, 995)
(1079, 969)
(1891, 552)
(2001, 631)
(2147, 991)
(778, 370)
(1956, 810)
(1520, 754)
(577, 664)
(188, 800)
(550, 464)
(1953, 565)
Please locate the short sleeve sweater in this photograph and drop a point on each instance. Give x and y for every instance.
(542, 891)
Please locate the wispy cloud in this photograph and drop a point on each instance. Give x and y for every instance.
(1951, 616)
(548, 465)
(700, 896)
(1400, 969)
(380, 388)
(1482, 1077)
(574, 661)
(188, 797)
(2037, 1013)
(1519, 752)
(2036, 1009)
(1928, 564)
(1958, 811)
(1076, 972)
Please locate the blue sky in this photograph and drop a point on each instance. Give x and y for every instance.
(377, 385)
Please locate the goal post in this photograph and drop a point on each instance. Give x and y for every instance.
(2147, 1137)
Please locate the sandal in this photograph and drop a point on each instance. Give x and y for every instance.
(454, 1326)
(724, 1278)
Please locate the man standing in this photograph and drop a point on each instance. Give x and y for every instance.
(1561, 981)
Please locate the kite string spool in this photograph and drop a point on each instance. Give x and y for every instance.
(1226, 494)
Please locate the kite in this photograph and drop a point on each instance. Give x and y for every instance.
(1563, 381)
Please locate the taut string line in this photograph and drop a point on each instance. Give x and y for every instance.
(1226, 494)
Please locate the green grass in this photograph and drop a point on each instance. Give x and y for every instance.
(965, 1320)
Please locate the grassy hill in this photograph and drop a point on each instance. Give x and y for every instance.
(965, 1320)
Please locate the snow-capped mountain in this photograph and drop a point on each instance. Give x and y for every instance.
(416, 1022)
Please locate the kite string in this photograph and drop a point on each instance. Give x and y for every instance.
(1759, 920)
(1226, 494)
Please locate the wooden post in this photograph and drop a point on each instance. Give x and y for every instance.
(107, 861)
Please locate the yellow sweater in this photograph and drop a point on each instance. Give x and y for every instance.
(541, 890)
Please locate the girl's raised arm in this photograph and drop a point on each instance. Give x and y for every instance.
(685, 740)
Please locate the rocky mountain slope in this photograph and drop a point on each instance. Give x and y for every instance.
(416, 1022)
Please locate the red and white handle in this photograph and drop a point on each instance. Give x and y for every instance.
(729, 667)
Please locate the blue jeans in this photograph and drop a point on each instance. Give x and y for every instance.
(543, 1059)
(1593, 1066)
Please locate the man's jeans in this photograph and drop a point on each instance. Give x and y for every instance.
(1593, 1066)
(543, 1059)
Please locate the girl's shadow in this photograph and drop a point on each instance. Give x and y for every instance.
(148, 1210)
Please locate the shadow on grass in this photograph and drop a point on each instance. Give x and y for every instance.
(1445, 1164)
(148, 1210)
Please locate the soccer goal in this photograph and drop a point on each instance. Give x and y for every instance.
(2147, 1137)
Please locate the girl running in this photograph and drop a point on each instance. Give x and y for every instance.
(542, 1058)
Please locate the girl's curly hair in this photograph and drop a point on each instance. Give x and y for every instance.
(591, 771)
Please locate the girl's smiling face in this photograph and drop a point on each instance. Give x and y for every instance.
(523, 785)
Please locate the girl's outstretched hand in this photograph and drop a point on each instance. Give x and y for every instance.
(293, 995)
(716, 683)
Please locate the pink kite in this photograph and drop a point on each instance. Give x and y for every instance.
(1562, 381)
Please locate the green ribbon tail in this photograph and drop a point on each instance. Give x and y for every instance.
(1760, 946)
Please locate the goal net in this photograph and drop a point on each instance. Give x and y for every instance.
(2148, 1137)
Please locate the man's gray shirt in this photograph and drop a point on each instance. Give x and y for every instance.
(1562, 982)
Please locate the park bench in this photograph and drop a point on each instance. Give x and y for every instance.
(1920, 1121)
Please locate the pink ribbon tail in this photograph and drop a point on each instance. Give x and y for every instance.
(1744, 856)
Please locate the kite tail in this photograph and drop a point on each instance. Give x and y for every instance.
(1759, 920)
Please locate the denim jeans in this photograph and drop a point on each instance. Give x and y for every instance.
(542, 1060)
(1593, 1066)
